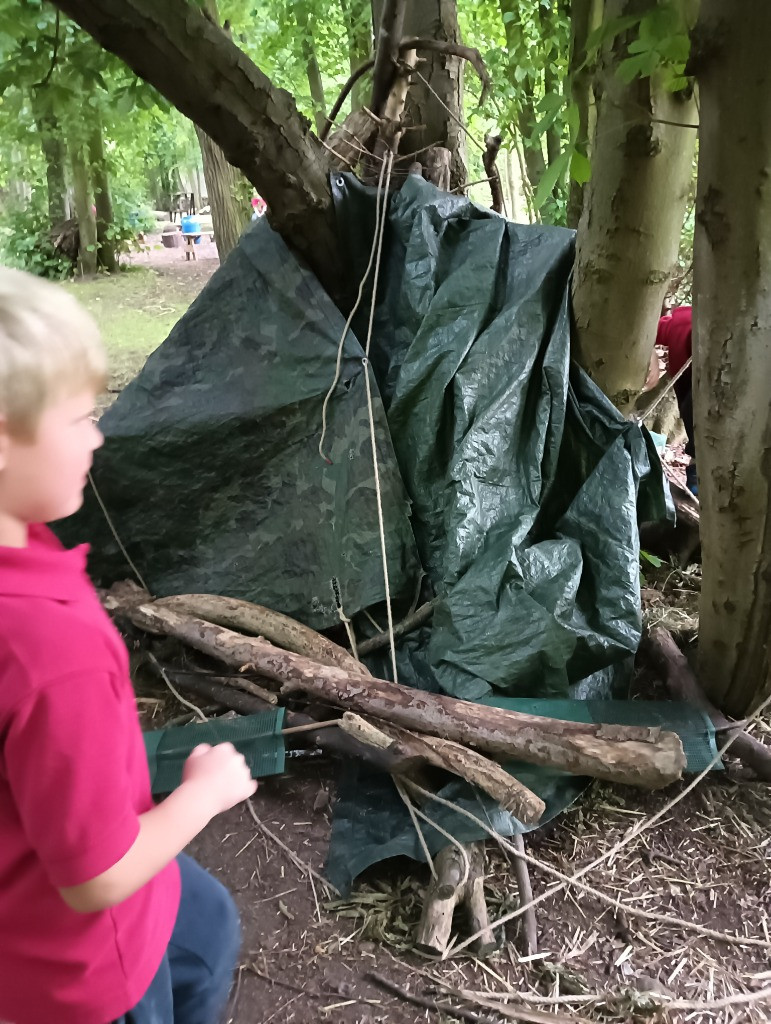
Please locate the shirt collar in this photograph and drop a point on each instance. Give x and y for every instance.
(44, 568)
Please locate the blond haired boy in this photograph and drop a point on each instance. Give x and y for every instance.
(101, 916)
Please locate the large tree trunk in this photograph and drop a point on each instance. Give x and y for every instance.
(630, 228)
(732, 350)
(55, 155)
(357, 15)
(434, 118)
(585, 16)
(226, 192)
(307, 43)
(102, 197)
(87, 254)
(190, 60)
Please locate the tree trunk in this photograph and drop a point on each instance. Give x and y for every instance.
(732, 351)
(629, 232)
(85, 215)
(226, 192)
(178, 49)
(307, 43)
(357, 16)
(585, 16)
(102, 197)
(55, 155)
(526, 116)
(430, 121)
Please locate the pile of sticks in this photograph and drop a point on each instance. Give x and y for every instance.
(398, 729)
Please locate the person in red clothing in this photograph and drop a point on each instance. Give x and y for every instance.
(675, 335)
(102, 918)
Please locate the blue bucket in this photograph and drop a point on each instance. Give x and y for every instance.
(191, 226)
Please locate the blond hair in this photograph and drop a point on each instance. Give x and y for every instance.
(50, 348)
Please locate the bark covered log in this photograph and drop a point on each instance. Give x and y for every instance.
(683, 685)
(642, 757)
(279, 629)
(468, 764)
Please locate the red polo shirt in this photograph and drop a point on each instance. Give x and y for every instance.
(73, 780)
(674, 332)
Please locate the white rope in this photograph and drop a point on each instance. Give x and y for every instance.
(348, 322)
(416, 824)
(430, 821)
(118, 541)
(379, 232)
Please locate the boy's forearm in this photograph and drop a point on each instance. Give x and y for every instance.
(164, 832)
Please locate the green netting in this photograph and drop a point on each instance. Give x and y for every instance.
(257, 737)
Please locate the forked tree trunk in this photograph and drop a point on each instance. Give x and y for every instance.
(732, 300)
(87, 254)
(629, 231)
(102, 197)
(434, 118)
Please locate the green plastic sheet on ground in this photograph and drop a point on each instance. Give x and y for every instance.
(211, 468)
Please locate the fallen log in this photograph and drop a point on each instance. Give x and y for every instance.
(468, 764)
(281, 630)
(649, 758)
(454, 885)
(682, 684)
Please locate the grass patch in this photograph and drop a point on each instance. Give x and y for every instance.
(135, 311)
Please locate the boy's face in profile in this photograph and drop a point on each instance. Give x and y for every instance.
(42, 479)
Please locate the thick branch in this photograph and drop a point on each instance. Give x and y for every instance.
(643, 757)
(492, 145)
(245, 617)
(480, 771)
(190, 60)
(683, 685)
(387, 52)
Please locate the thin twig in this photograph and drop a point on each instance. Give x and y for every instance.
(300, 864)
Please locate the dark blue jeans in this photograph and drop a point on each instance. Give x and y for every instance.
(193, 981)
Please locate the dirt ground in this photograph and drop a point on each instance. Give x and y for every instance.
(308, 956)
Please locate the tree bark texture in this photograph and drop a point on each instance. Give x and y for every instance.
(226, 191)
(467, 764)
(629, 231)
(426, 115)
(190, 60)
(102, 196)
(683, 685)
(55, 155)
(732, 351)
(585, 16)
(446, 891)
(87, 255)
(648, 758)
(279, 629)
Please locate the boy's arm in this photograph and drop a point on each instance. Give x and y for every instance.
(214, 779)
